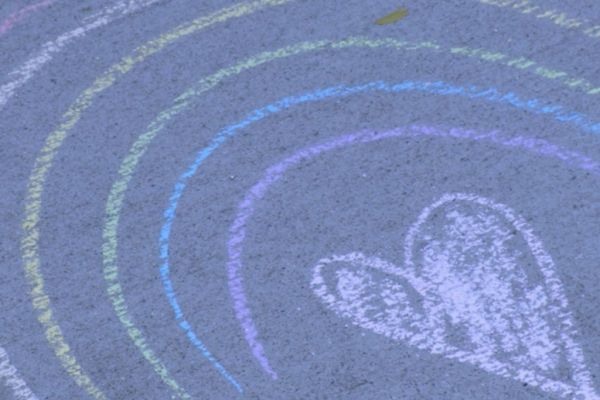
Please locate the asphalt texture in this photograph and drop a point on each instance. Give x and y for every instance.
(172, 172)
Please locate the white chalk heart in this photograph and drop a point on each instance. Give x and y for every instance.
(477, 286)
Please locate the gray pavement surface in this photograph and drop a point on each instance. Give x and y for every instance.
(222, 200)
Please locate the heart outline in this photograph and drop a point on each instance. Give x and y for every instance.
(419, 330)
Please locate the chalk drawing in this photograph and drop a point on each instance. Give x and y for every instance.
(26, 71)
(559, 18)
(12, 380)
(33, 205)
(476, 303)
(33, 202)
(538, 146)
(54, 141)
(18, 16)
(116, 196)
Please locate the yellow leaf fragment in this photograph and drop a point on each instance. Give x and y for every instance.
(393, 17)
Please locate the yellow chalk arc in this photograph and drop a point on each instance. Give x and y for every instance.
(561, 19)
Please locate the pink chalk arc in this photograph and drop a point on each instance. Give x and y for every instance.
(18, 16)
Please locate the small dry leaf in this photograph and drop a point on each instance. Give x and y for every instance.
(393, 17)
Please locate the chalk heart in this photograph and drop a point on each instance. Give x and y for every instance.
(476, 286)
